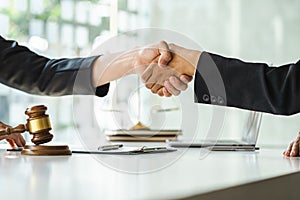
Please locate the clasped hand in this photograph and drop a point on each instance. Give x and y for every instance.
(171, 76)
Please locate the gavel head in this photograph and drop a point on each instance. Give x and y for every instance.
(38, 124)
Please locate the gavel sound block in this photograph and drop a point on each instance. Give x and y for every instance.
(38, 124)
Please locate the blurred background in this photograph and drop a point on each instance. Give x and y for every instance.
(257, 31)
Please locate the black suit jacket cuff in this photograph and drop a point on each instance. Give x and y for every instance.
(209, 86)
(83, 83)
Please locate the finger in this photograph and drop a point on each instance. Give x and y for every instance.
(22, 140)
(165, 54)
(288, 150)
(185, 78)
(171, 89)
(149, 85)
(18, 139)
(295, 149)
(163, 92)
(147, 73)
(178, 84)
(11, 143)
(18, 142)
(151, 78)
(155, 88)
(155, 79)
(160, 92)
(166, 92)
(298, 137)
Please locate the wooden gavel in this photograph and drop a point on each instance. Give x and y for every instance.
(38, 124)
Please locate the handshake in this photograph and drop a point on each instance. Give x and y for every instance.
(166, 69)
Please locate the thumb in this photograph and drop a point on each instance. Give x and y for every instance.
(165, 54)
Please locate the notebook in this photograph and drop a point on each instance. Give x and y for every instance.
(247, 141)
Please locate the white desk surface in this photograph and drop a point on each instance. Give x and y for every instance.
(83, 176)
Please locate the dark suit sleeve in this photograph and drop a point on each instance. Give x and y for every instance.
(251, 86)
(22, 69)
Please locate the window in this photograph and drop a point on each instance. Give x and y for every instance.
(54, 28)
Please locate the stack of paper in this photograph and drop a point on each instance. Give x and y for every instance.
(141, 135)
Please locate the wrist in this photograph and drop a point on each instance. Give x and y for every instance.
(194, 58)
(133, 65)
(110, 67)
(185, 62)
(124, 63)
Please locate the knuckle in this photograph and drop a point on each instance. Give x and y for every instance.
(141, 52)
(162, 42)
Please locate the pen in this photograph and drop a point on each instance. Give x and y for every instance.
(110, 147)
(156, 149)
(152, 149)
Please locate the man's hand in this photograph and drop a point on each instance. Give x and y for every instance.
(173, 78)
(174, 85)
(293, 149)
(13, 139)
(159, 52)
(134, 61)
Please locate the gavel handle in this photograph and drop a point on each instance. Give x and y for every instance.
(21, 128)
